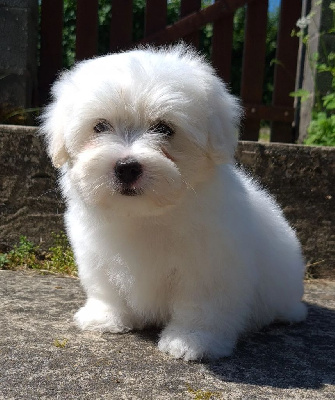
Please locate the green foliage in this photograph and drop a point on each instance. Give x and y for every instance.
(60, 258)
(138, 19)
(18, 116)
(60, 343)
(203, 394)
(173, 11)
(26, 255)
(303, 94)
(270, 54)
(23, 255)
(104, 19)
(4, 261)
(69, 32)
(321, 130)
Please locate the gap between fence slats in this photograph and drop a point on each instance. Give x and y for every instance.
(285, 68)
(254, 62)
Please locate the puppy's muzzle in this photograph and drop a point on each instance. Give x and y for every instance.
(127, 171)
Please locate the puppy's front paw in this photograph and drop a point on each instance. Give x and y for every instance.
(96, 315)
(194, 345)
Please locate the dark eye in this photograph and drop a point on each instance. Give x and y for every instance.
(162, 128)
(102, 126)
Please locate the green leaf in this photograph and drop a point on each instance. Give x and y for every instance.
(329, 101)
(302, 93)
(321, 130)
(323, 68)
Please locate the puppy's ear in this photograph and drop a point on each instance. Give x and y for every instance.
(53, 131)
(223, 123)
(54, 120)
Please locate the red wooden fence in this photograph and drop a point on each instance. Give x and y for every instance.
(192, 19)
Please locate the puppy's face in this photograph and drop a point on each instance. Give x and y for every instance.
(137, 130)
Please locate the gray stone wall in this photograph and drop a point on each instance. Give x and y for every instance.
(302, 178)
(30, 203)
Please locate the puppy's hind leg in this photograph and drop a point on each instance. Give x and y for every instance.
(194, 344)
(294, 314)
(202, 331)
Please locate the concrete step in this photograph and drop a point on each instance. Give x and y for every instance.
(44, 356)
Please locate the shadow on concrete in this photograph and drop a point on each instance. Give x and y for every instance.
(280, 355)
(294, 356)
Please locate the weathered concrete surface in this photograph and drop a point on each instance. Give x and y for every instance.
(302, 178)
(30, 202)
(281, 362)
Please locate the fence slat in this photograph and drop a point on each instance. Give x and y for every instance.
(155, 16)
(51, 45)
(194, 21)
(254, 62)
(187, 7)
(269, 113)
(222, 43)
(121, 25)
(86, 29)
(285, 68)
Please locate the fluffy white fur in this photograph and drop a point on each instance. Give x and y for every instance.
(200, 249)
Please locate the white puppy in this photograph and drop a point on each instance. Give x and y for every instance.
(165, 229)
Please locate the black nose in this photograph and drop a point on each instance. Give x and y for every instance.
(128, 170)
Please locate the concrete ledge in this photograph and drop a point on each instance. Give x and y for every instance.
(280, 362)
(30, 203)
(302, 178)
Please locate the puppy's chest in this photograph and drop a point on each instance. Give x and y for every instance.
(145, 268)
(149, 247)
